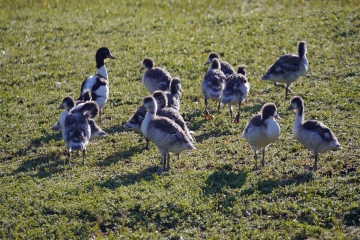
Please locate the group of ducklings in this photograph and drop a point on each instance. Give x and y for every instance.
(76, 121)
(159, 120)
(224, 85)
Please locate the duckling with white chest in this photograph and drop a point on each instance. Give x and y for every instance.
(76, 131)
(166, 135)
(288, 68)
(98, 84)
(312, 134)
(262, 130)
(236, 90)
(163, 110)
(213, 85)
(155, 78)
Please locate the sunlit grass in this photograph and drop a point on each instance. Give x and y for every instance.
(212, 192)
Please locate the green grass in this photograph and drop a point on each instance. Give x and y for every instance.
(208, 190)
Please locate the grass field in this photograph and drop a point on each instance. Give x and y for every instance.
(211, 192)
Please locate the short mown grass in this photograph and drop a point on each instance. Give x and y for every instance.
(212, 192)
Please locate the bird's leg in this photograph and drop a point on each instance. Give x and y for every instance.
(237, 118)
(286, 92)
(263, 157)
(147, 144)
(168, 161)
(84, 154)
(178, 156)
(255, 156)
(315, 161)
(100, 113)
(164, 161)
(219, 105)
(69, 156)
(231, 112)
(207, 114)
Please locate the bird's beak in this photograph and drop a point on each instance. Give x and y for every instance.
(290, 108)
(207, 62)
(141, 69)
(61, 107)
(277, 116)
(111, 56)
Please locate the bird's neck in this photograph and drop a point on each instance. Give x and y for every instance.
(299, 118)
(150, 115)
(305, 61)
(175, 93)
(102, 72)
(302, 55)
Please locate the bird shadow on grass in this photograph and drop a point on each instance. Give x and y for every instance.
(220, 179)
(267, 186)
(33, 145)
(252, 109)
(122, 155)
(114, 129)
(127, 179)
(206, 135)
(44, 165)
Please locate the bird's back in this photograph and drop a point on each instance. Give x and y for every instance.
(236, 89)
(226, 68)
(175, 116)
(173, 101)
(213, 83)
(156, 79)
(288, 67)
(168, 135)
(315, 135)
(76, 132)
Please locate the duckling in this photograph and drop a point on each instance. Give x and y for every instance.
(288, 68)
(96, 131)
(68, 103)
(312, 134)
(173, 96)
(135, 122)
(163, 111)
(236, 90)
(98, 84)
(76, 131)
(155, 78)
(262, 130)
(166, 135)
(226, 68)
(213, 85)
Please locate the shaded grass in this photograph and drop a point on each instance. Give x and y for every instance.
(212, 192)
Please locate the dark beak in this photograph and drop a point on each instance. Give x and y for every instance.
(111, 56)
